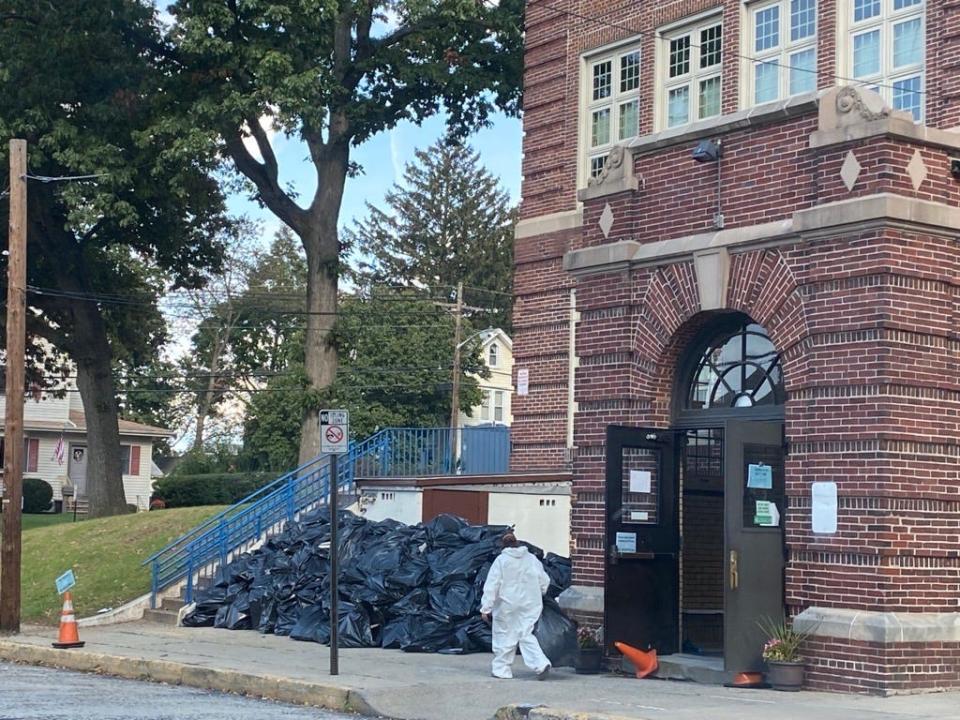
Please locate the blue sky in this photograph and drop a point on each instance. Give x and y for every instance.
(383, 158)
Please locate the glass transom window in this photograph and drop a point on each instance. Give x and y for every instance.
(613, 108)
(886, 50)
(738, 369)
(694, 60)
(784, 49)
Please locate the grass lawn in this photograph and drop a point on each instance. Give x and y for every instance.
(31, 521)
(105, 555)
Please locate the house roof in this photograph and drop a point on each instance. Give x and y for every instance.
(127, 427)
(490, 333)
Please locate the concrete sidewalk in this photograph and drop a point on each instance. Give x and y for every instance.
(428, 687)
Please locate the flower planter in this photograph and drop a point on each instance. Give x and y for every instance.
(786, 676)
(588, 661)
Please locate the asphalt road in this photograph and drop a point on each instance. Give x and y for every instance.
(29, 693)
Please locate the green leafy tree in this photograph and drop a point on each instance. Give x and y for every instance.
(80, 90)
(397, 364)
(332, 74)
(448, 221)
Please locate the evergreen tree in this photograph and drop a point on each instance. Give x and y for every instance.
(449, 221)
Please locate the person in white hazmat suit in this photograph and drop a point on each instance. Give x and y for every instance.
(513, 594)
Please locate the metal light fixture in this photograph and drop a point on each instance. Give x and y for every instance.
(708, 151)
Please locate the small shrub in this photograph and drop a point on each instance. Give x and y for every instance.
(208, 489)
(157, 504)
(37, 495)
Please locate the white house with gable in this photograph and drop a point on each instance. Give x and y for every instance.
(48, 419)
(496, 350)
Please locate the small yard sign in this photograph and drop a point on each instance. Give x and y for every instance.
(65, 582)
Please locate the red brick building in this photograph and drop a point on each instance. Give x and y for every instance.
(750, 360)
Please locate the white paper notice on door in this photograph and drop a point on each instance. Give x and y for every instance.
(639, 481)
(626, 542)
(823, 505)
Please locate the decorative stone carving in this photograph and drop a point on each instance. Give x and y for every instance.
(613, 168)
(615, 177)
(916, 170)
(606, 221)
(848, 105)
(850, 170)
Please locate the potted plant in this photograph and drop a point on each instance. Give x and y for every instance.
(782, 653)
(590, 651)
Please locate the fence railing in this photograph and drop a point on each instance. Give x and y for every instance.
(201, 551)
(393, 452)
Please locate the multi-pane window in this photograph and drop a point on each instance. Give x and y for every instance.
(783, 49)
(613, 113)
(693, 84)
(887, 50)
(498, 406)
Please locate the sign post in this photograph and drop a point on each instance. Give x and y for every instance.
(334, 440)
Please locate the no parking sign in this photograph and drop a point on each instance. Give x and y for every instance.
(334, 431)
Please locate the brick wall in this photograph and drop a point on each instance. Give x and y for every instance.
(866, 318)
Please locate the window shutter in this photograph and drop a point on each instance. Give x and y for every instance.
(134, 460)
(33, 454)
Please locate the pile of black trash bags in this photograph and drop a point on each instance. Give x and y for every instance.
(415, 588)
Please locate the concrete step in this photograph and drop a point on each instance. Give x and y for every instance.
(696, 668)
(163, 617)
(172, 603)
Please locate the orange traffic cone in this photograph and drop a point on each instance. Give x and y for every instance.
(645, 661)
(69, 636)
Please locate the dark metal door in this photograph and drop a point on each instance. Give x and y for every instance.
(755, 510)
(641, 601)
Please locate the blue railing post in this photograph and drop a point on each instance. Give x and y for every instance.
(188, 595)
(291, 510)
(154, 584)
(222, 542)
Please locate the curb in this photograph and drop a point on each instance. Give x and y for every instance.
(542, 712)
(295, 692)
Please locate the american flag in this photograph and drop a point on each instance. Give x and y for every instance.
(59, 451)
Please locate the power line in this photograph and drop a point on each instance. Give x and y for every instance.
(62, 178)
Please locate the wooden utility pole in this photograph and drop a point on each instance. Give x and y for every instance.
(455, 395)
(13, 430)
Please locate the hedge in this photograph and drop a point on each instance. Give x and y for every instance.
(37, 495)
(209, 489)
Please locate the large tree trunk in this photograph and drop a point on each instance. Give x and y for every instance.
(91, 352)
(322, 246)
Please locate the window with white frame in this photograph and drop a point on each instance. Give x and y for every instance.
(492, 355)
(498, 406)
(692, 84)
(887, 50)
(485, 406)
(613, 103)
(783, 46)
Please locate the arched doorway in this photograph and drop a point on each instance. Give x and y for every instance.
(694, 513)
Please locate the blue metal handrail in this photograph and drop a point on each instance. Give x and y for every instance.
(393, 452)
(199, 552)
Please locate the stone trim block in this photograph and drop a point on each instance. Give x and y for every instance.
(880, 627)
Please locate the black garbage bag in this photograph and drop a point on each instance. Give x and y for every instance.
(353, 625)
(455, 599)
(413, 572)
(560, 572)
(202, 615)
(461, 563)
(288, 612)
(471, 636)
(444, 531)
(313, 625)
(426, 632)
(557, 635)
